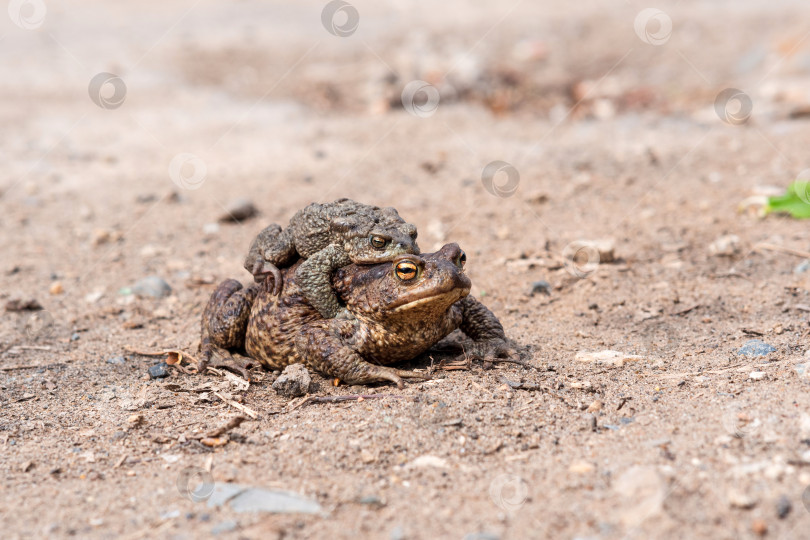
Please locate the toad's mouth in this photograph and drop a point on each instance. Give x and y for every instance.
(447, 297)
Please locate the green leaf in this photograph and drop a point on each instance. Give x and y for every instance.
(796, 201)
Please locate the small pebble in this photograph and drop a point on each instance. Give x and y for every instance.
(74, 336)
(238, 210)
(783, 507)
(596, 406)
(159, 371)
(759, 527)
(756, 347)
(294, 381)
(146, 198)
(117, 360)
(581, 467)
(541, 287)
(57, 288)
(802, 267)
(757, 375)
(93, 297)
(223, 527)
(726, 246)
(737, 499)
(153, 286)
(210, 229)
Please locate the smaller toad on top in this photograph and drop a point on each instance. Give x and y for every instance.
(329, 236)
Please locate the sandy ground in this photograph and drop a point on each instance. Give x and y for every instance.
(613, 132)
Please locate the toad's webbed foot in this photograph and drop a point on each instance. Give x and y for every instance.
(223, 359)
(493, 350)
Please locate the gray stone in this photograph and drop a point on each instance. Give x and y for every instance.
(117, 360)
(152, 286)
(254, 499)
(802, 267)
(542, 287)
(224, 526)
(159, 371)
(756, 347)
(238, 210)
(294, 381)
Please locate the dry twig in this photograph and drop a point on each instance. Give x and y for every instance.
(247, 410)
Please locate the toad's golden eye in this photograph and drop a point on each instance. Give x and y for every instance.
(378, 242)
(407, 270)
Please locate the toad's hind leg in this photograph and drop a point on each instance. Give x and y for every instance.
(323, 350)
(224, 324)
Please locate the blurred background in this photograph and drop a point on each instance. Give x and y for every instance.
(110, 108)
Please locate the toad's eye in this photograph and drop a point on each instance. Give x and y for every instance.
(378, 242)
(461, 259)
(407, 270)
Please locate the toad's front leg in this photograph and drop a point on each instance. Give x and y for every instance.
(321, 348)
(486, 331)
(224, 324)
(314, 276)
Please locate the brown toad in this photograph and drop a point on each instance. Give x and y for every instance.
(396, 310)
(329, 236)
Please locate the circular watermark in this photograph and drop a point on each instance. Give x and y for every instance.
(428, 411)
(659, 338)
(340, 18)
(37, 325)
(653, 26)
(195, 484)
(739, 423)
(420, 98)
(187, 171)
(27, 14)
(500, 179)
(581, 259)
(509, 492)
(733, 106)
(107, 90)
(801, 186)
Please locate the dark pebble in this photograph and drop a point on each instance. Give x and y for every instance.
(783, 507)
(541, 287)
(238, 211)
(756, 347)
(159, 371)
